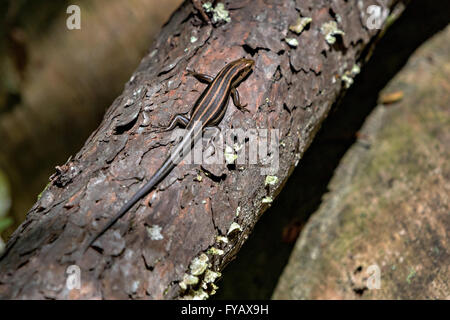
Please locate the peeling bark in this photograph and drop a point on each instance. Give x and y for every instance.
(177, 240)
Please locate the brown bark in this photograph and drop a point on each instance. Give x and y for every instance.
(291, 89)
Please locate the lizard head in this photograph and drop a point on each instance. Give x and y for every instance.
(245, 66)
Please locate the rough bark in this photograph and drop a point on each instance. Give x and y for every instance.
(292, 89)
(302, 195)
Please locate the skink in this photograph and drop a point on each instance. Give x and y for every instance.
(208, 111)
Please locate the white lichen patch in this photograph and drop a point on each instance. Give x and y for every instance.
(271, 180)
(348, 76)
(211, 276)
(233, 228)
(205, 285)
(155, 232)
(222, 239)
(348, 81)
(215, 251)
(199, 265)
(214, 287)
(238, 211)
(188, 280)
(193, 39)
(330, 30)
(208, 6)
(356, 69)
(292, 42)
(219, 12)
(267, 200)
(300, 24)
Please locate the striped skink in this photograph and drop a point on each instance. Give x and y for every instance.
(208, 111)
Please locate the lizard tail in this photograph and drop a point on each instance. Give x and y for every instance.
(156, 178)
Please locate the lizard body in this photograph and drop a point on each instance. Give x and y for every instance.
(208, 111)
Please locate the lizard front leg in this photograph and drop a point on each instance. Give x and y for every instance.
(237, 100)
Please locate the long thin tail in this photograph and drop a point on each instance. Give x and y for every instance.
(156, 178)
(193, 134)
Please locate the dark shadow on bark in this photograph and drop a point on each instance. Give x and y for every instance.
(259, 264)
